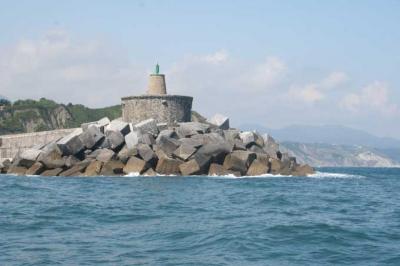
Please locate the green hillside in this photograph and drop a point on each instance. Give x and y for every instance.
(31, 116)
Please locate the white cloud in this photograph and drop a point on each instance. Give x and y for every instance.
(373, 97)
(307, 94)
(60, 67)
(317, 91)
(333, 80)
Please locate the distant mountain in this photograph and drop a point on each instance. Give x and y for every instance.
(319, 154)
(330, 134)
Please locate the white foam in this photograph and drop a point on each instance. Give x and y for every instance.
(334, 175)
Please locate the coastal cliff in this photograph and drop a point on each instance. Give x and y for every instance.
(24, 116)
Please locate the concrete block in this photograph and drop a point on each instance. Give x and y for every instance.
(105, 155)
(191, 167)
(28, 157)
(135, 165)
(115, 139)
(52, 172)
(120, 126)
(91, 136)
(148, 126)
(239, 161)
(219, 170)
(188, 129)
(17, 170)
(168, 145)
(146, 153)
(112, 168)
(248, 138)
(257, 167)
(71, 144)
(168, 166)
(93, 169)
(220, 121)
(184, 151)
(148, 139)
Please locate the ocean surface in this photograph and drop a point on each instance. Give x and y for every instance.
(346, 216)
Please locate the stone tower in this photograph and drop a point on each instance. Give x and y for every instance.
(157, 104)
(157, 83)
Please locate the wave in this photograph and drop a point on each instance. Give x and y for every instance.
(334, 175)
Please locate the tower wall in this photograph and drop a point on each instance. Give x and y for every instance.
(163, 108)
(157, 85)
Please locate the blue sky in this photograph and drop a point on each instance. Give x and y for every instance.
(317, 62)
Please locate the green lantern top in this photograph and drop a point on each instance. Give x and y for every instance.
(157, 69)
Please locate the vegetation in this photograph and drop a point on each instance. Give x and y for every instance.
(44, 114)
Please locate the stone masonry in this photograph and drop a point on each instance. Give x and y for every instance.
(163, 108)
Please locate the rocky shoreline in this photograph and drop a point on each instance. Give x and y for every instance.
(115, 148)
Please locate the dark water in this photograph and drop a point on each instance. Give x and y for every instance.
(350, 218)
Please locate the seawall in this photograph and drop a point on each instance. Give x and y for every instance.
(10, 145)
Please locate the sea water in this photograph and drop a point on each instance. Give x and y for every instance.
(348, 216)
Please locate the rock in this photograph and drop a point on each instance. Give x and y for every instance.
(303, 170)
(4, 165)
(135, 165)
(17, 170)
(148, 126)
(258, 167)
(150, 172)
(101, 124)
(52, 157)
(120, 126)
(259, 139)
(191, 167)
(146, 153)
(36, 169)
(148, 139)
(162, 126)
(71, 144)
(28, 157)
(196, 117)
(270, 145)
(195, 143)
(275, 166)
(132, 139)
(76, 170)
(203, 161)
(168, 166)
(52, 172)
(216, 151)
(209, 138)
(115, 139)
(248, 138)
(231, 135)
(239, 161)
(71, 161)
(257, 149)
(112, 168)
(91, 136)
(220, 121)
(93, 169)
(187, 129)
(168, 145)
(219, 170)
(169, 133)
(124, 154)
(105, 155)
(238, 145)
(264, 158)
(184, 151)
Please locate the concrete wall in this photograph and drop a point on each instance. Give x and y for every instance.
(163, 108)
(10, 145)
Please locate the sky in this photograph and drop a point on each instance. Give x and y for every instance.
(273, 63)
